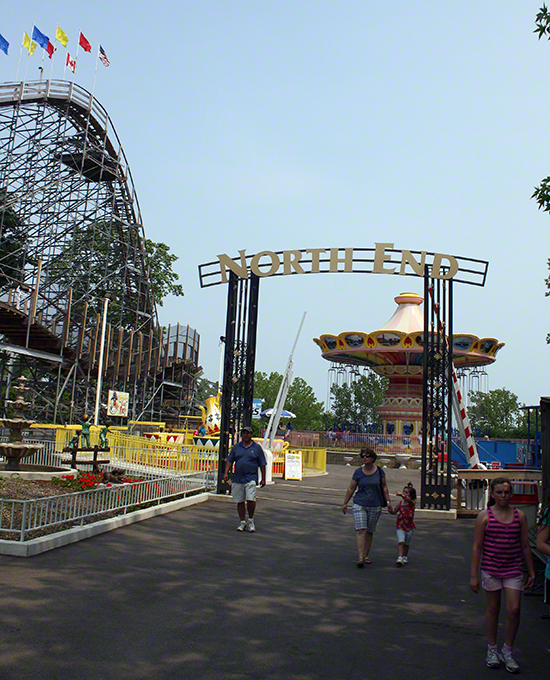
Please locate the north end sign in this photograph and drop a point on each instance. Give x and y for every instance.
(382, 259)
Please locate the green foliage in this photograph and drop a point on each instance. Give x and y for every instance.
(103, 253)
(542, 192)
(497, 414)
(205, 388)
(162, 277)
(356, 403)
(300, 400)
(542, 23)
(12, 243)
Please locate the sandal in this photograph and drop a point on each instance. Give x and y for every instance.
(360, 564)
(367, 560)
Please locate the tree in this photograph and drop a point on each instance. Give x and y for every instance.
(12, 243)
(497, 414)
(162, 277)
(300, 400)
(106, 255)
(355, 404)
(542, 192)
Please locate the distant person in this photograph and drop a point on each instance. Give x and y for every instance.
(501, 539)
(248, 456)
(404, 522)
(202, 430)
(371, 494)
(543, 546)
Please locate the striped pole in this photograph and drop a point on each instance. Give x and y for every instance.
(463, 421)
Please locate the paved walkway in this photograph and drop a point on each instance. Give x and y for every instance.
(186, 596)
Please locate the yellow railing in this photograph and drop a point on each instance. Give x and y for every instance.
(128, 449)
(314, 460)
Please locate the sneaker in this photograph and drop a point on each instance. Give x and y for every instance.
(405, 560)
(399, 562)
(509, 661)
(242, 526)
(251, 525)
(493, 659)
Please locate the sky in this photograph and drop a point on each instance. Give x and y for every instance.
(280, 125)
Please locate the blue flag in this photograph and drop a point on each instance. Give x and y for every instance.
(4, 44)
(40, 38)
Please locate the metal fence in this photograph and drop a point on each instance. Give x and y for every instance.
(19, 518)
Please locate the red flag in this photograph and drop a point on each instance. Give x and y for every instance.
(50, 49)
(84, 44)
(71, 63)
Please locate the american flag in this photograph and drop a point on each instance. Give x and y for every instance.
(102, 55)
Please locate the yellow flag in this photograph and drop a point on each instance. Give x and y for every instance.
(28, 43)
(61, 36)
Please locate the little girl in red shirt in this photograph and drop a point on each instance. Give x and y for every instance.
(404, 522)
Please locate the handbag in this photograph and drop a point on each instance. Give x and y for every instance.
(384, 501)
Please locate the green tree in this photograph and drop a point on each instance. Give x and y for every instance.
(356, 403)
(542, 192)
(497, 413)
(161, 274)
(12, 243)
(301, 400)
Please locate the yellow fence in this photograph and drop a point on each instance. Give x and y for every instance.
(128, 449)
(314, 461)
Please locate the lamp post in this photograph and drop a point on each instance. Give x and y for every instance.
(100, 367)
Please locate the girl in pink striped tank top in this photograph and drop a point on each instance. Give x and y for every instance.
(501, 543)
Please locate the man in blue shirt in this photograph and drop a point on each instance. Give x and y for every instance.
(248, 456)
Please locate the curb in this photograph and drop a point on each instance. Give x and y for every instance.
(39, 545)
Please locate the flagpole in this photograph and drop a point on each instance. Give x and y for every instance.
(18, 62)
(51, 59)
(76, 55)
(95, 74)
(41, 67)
(26, 66)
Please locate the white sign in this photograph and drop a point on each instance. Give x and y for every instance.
(293, 466)
(256, 408)
(117, 404)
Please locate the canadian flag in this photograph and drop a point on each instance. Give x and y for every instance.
(71, 63)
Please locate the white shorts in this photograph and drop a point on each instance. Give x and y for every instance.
(404, 536)
(243, 492)
(492, 583)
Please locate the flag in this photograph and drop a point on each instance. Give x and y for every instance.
(61, 36)
(40, 38)
(71, 63)
(4, 44)
(103, 57)
(28, 43)
(50, 49)
(84, 44)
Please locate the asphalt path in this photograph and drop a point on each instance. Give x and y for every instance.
(186, 596)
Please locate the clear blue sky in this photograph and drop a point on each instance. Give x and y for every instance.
(276, 125)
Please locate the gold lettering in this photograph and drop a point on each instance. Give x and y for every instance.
(347, 260)
(436, 266)
(291, 258)
(315, 252)
(380, 257)
(408, 258)
(239, 269)
(255, 263)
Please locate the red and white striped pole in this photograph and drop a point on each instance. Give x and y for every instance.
(464, 421)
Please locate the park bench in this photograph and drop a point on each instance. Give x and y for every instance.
(94, 462)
